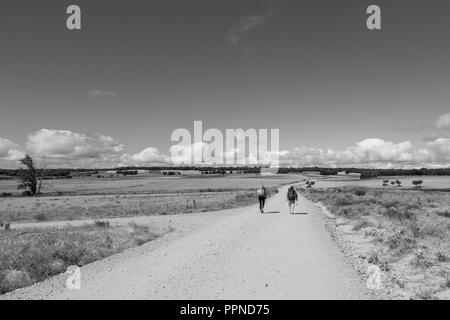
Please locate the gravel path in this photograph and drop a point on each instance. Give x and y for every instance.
(235, 254)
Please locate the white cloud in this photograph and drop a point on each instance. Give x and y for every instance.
(440, 149)
(443, 122)
(9, 151)
(64, 148)
(245, 25)
(374, 153)
(68, 145)
(102, 93)
(148, 156)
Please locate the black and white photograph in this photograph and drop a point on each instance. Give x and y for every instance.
(204, 151)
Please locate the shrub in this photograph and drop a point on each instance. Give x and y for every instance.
(15, 279)
(424, 259)
(360, 192)
(425, 294)
(400, 240)
(5, 194)
(417, 183)
(361, 224)
(102, 224)
(40, 217)
(445, 212)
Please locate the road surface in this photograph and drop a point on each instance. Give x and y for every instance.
(242, 255)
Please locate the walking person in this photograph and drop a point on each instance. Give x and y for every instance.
(262, 196)
(292, 198)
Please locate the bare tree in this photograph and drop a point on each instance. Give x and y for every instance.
(30, 178)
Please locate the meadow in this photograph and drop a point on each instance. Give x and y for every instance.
(150, 184)
(79, 199)
(31, 255)
(429, 182)
(404, 232)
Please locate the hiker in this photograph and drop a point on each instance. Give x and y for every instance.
(262, 196)
(292, 198)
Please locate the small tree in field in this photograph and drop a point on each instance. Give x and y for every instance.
(309, 184)
(385, 183)
(29, 177)
(417, 183)
(399, 183)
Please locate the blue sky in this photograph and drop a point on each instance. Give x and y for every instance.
(113, 93)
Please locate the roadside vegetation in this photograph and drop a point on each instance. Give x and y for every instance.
(63, 208)
(33, 255)
(404, 232)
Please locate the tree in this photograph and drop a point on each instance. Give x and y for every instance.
(417, 183)
(309, 184)
(385, 183)
(399, 183)
(30, 178)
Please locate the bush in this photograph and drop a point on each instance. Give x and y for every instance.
(102, 224)
(443, 212)
(417, 183)
(14, 279)
(424, 259)
(5, 194)
(40, 217)
(361, 224)
(360, 192)
(401, 240)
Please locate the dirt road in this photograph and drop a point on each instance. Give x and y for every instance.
(242, 255)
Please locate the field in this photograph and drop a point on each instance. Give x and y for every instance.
(406, 233)
(32, 255)
(402, 230)
(429, 182)
(35, 252)
(111, 198)
(152, 184)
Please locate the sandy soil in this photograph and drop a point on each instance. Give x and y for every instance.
(233, 254)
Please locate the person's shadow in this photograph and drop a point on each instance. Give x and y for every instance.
(270, 212)
(300, 213)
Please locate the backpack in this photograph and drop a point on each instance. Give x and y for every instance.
(292, 195)
(261, 192)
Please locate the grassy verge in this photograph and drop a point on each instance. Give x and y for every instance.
(30, 256)
(405, 233)
(64, 208)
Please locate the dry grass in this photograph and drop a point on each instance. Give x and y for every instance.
(408, 233)
(30, 256)
(64, 208)
(151, 185)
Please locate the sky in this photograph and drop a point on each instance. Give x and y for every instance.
(112, 93)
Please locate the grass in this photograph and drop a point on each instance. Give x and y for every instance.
(30, 256)
(62, 208)
(409, 232)
(151, 185)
